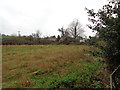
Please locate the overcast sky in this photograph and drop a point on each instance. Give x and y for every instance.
(47, 16)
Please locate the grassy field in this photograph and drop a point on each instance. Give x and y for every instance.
(53, 66)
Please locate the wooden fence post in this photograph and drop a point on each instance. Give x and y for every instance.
(112, 78)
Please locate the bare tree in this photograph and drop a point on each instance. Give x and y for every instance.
(75, 29)
(64, 32)
(37, 34)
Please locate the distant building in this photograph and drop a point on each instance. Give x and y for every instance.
(63, 38)
(82, 39)
(70, 39)
(53, 38)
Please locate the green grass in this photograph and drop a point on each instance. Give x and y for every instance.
(53, 66)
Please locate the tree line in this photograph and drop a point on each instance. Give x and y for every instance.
(107, 24)
(70, 35)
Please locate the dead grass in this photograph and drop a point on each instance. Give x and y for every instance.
(19, 62)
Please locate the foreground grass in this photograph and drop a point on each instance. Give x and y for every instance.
(53, 66)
